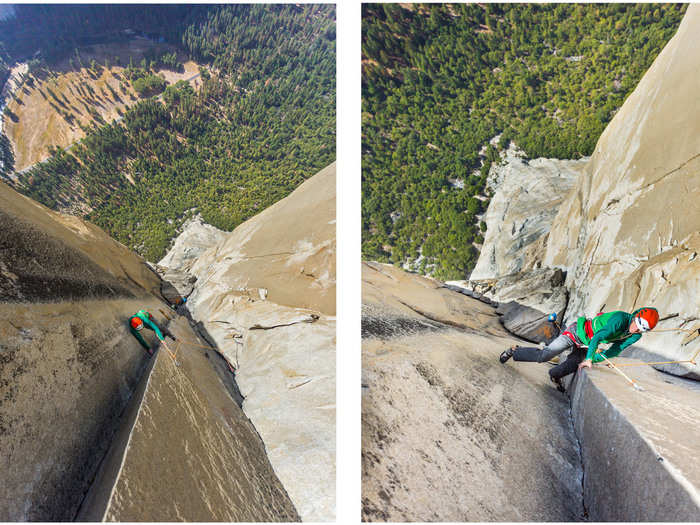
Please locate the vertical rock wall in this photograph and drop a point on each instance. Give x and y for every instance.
(266, 295)
(628, 232)
(68, 369)
(68, 363)
(188, 453)
(640, 448)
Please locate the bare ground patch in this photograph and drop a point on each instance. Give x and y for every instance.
(52, 110)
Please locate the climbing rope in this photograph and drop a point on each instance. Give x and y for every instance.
(611, 365)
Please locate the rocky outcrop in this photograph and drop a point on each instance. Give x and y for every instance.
(448, 433)
(193, 240)
(186, 451)
(627, 234)
(524, 300)
(527, 195)
(542, 289)
(266, 295)
(639, 448)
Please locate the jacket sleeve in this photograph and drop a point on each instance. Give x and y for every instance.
(153, 326)
(619, 346)
(608, 331)
(139, 338)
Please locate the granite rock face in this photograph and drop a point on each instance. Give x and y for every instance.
(447, 430)
(627, 234)
(527, 195)
(266, 295)
(195, 238)
(69, 368)
(541, 289)
(68, 363)
(67, 372)
(448, 433)
(186, 451)
(640, 464)
(48, 256)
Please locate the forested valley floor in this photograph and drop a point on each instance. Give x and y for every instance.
(440, 81)
(262, 121)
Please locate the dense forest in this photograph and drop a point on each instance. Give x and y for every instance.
(262, 121)
(439, 81)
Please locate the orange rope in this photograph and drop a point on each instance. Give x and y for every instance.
(609, 363)
(655, 363)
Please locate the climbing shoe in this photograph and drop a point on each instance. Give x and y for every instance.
(507, 354)
(557, 382)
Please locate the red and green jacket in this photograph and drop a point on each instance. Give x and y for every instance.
(146, 318)
(612, 327)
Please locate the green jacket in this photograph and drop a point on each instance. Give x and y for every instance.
(146, 318)
(612, 327)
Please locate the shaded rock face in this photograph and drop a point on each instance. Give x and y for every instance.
(526, 199)
(47, 256)
(628, 231)
(68, 363)
(187, 452)
(448, 433)
(640, 464)
(266, 295)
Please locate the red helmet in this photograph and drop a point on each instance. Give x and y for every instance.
(646, 319)
(136, 323)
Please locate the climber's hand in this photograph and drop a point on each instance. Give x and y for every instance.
(585, 364)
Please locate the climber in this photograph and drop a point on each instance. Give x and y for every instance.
(143, 318)
(583, 337)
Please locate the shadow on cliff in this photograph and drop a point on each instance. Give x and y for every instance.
(215, 357)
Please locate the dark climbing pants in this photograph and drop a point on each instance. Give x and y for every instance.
(570, 365)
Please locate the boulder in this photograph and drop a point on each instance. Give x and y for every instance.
(526, 322)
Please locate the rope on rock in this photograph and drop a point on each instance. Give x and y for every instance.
(611, 365)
